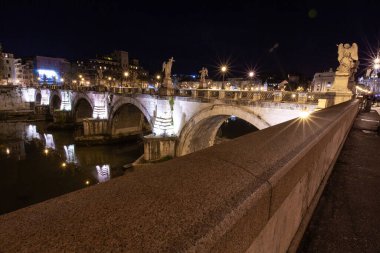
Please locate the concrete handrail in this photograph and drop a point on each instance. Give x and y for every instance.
(250, 194)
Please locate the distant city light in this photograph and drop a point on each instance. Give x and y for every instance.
(8, 151)
(158, 77)
(126, 74)
(63, 165)
(251, 74)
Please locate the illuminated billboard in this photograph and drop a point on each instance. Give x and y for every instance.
(48, 76)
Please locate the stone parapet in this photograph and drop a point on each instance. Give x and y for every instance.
(252, 194)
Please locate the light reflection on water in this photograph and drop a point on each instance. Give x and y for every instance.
(36, 165)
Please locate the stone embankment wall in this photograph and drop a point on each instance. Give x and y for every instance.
(252, 194)
(11, 100)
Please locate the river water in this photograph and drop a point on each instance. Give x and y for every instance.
(36, 165)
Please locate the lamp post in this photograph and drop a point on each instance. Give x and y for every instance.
(251, 74)
(376, 64)
(126, 75)
(223, 69)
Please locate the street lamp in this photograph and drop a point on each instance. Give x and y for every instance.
(223, 69)
(251, 74)
(376, 63)
(126, 74)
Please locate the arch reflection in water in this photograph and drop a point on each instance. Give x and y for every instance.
(49, 141)
(31, 133)
(103, 173)
(70, 154)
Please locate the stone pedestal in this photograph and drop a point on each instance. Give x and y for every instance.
(62, 117)
(194, 93)
(163, 91)
(42, 109)
(341, 82)
(277, 96)
(167, 88)
(157, 148)
(340, 88)
(341, 97)
(302, 98)
(93, 127)
(222, 94)
(256, 96)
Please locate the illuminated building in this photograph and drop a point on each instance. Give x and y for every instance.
(323, 81)
(51, 70)
(11, 69)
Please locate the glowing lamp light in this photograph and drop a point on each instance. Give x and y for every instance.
(304, 114)
(63, 165)
(126, 74)
(376, 66)
(376, 61)
(251, 74)
(158, 77)
(223, 68)
(46, 151)
(7, 151)
(87, 182)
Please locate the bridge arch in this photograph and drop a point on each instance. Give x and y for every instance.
(200, 131)
(38, 98)
(129, 116)
(55, 101)
(82, 107)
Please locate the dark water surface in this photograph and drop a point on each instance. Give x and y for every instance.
(36, 165)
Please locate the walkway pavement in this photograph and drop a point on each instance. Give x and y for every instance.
(347, 218)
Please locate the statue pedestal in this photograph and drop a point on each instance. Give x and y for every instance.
(167, 83)
(341, 82)
(340, 88)
(167, 88)
(163, 91)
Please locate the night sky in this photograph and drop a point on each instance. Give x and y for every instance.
(196, 33)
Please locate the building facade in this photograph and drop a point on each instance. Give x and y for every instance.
(323, 81)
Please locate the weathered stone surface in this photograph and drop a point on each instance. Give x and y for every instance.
(249, 193)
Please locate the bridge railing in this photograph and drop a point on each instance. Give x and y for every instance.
(209, 94)
(270, 96)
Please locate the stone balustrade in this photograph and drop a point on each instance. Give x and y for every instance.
(274, 96)
(252, 194)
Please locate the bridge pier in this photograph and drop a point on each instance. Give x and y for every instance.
(158, 148)
(62, 119)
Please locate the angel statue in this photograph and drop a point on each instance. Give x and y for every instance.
(348, 58)
(204, 73)
(167, 67)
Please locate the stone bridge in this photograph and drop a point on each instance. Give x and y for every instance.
(255, 193)
(180, 124)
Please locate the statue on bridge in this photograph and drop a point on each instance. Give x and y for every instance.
(204, 73)
(344, 76)
(167, 67)
(167, 82)
(348, 58)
